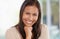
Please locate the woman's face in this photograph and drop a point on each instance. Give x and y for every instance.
(30, 15)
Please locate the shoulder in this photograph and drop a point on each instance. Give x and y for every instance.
(44, 26)
(44, 32)
(12, 33)
(11, 29)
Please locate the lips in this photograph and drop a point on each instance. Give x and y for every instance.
(29, 22)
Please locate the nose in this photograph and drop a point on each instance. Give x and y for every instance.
(31, 17)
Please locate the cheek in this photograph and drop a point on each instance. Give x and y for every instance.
(24, 16)
(35, 18)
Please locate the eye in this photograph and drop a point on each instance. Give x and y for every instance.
(27, 13)
(34, 14)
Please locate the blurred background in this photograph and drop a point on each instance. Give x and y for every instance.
(9, 16)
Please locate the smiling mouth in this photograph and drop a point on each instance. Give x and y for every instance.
(29, 22)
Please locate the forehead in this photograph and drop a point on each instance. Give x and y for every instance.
(32, 9)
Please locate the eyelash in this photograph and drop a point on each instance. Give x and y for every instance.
(33, 14)
(27, 13)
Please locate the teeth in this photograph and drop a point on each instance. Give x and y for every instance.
(29, 22)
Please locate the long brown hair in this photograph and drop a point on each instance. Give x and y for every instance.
(36, 27)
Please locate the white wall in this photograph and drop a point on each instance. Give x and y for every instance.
(9, 11)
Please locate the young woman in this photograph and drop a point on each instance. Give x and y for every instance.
(29, 26)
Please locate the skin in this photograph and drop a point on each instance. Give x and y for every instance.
(30, 16)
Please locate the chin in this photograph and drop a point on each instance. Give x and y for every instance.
(29, 25)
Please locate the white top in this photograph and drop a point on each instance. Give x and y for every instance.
(13, 33)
